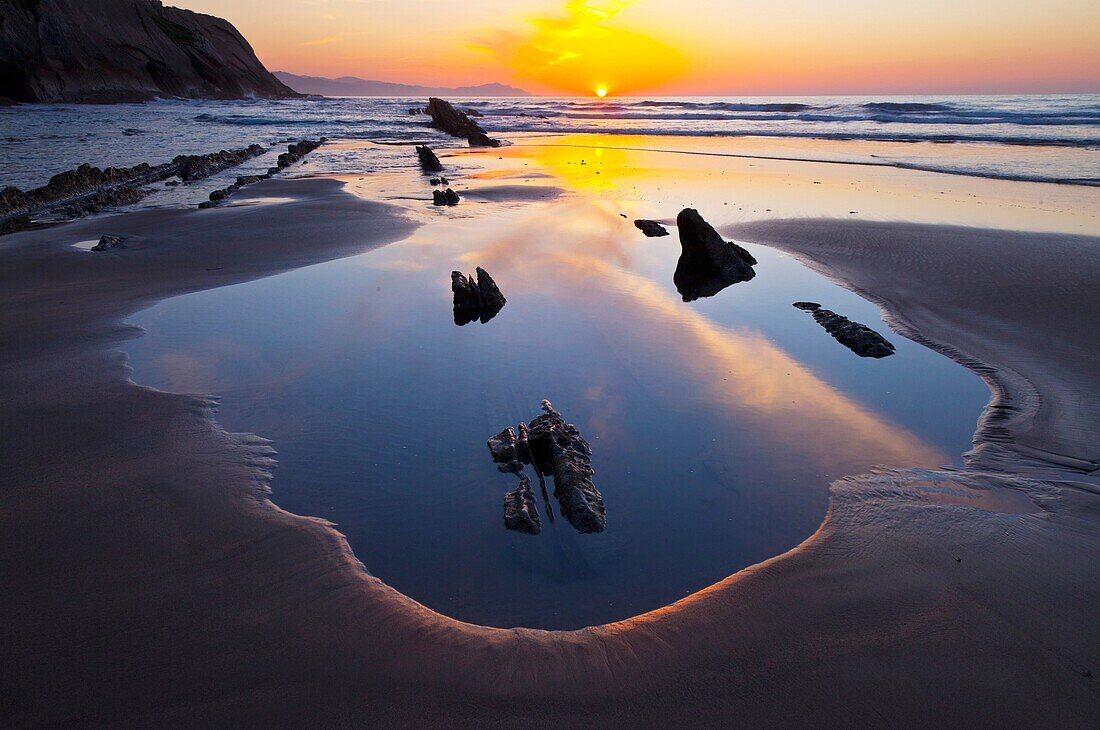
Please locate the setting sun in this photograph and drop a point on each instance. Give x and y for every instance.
(601, 92)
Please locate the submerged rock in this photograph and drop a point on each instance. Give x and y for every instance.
(475, 298)
(428, 161)
(520, 512)
(106, 243)
(652, 229)
(859, 338)
(457, 124)
(708, 263)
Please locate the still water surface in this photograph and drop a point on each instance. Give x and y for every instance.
(715, 426)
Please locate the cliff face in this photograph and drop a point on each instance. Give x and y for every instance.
(124, 50)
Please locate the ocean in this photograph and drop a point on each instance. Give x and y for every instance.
(1052, 138)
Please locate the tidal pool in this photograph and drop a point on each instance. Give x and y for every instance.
(716, 425)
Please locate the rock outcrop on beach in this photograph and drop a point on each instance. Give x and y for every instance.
(555, 449)
(859, 338)
(87, 189)
(479, 298)
(445, 197)
(106, 243)
(124, 51)
(457, 124)
(708, 263)
(428, 161)
(294, 153)
(652, 229)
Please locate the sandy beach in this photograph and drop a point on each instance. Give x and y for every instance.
(154, 581)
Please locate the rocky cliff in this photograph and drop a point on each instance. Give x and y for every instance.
(124, 50)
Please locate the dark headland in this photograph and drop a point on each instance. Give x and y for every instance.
(111, 51)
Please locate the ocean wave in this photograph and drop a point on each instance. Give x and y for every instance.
(884, 136)
(906, 106)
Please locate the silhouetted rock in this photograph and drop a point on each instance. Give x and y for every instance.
(707, 263)
(445, 197)
(859, 338)
(428, 161)
(448, 119)
(475, 299)
(651, 229)
(124, 51)
(106, 243)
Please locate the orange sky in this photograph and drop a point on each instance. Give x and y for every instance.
(684, 47)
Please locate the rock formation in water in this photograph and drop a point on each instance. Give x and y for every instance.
(555, 449)
(652, 229)
(859, 338)
(88, 189)
(445, 197)
(559, 450)
(478, 298)
(106, 243)
(294, 153)
(708, 263)
(455, 123)
(124, 51)
(428, 161)
(520, 512)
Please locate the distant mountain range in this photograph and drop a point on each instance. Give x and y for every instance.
(354, 86)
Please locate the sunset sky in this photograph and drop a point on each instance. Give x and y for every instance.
(684, 47)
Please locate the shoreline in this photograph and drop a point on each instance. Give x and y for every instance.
(335, 634)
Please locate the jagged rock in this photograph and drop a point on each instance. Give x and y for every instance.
(859, 338)
(434, 181)
(428, 161)
(87, 189)
(555, 449)
(296, 152)
(124, 51)
(199, 167)
(467, 298)
(457, 124)
(651, 229)
(520, 512)
(504, 451)
(108, 242)
(445, 197)
(475, 299)
(492, 300)
(708, 263)
(558, 450)
(443, 180)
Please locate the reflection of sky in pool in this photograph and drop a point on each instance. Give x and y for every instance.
(715, 426)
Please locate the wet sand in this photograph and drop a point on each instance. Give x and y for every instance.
(150, 580)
